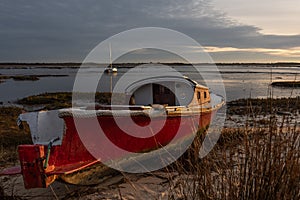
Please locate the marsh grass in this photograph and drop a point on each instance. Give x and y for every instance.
(252, 162)
(10, 135)
(57, 100)
(27, 77)
(254, 107)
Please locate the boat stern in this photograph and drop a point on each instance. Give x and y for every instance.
(31, 163)
(31, 159)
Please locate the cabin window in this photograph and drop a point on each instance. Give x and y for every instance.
(205, 95)
(198, 95)
(163, 95)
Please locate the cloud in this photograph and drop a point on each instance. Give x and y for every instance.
(293, 52)
(230, 54)
(68, 30)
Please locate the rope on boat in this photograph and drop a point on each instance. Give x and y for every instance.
(48, 151)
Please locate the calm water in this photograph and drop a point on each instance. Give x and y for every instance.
(239, 81)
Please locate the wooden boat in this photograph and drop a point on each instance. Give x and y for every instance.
(60, 151)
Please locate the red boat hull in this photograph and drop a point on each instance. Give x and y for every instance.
(125, 141)
(78, 150)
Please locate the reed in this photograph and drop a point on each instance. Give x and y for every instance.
(257, 161)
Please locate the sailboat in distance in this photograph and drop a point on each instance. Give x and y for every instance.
(110, 69)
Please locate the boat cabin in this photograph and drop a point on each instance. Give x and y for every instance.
(169, 91)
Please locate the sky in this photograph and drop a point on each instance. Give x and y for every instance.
(229, 30)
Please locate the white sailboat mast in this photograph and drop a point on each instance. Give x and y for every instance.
(110, 56)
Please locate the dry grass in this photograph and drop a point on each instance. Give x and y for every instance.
(247, 163)
(10, 135)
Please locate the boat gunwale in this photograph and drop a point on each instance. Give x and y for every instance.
(146, 111)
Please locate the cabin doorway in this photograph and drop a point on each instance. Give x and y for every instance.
(163, 95)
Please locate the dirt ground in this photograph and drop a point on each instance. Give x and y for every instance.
(122, 186)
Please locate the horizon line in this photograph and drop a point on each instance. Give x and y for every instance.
(138, 63)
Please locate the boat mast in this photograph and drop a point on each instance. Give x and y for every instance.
(110, 56)
(110, 67)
